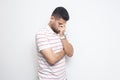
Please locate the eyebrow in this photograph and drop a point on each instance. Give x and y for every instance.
(60, 23)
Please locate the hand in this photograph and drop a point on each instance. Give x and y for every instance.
(62, 29)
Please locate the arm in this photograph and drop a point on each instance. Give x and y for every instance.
(68, 48)
(52, 57)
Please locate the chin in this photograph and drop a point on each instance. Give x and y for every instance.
(57, 31)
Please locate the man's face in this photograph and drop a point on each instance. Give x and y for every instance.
(57, 23)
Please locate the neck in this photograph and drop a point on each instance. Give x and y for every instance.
(49, 24)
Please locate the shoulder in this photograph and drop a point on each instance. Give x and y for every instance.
(42, 31)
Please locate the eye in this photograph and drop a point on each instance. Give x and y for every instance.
(60, 23)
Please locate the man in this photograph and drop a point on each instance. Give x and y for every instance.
(53, 45)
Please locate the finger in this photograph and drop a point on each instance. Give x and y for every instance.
(62, 26)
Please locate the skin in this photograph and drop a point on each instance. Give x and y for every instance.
(58, 26)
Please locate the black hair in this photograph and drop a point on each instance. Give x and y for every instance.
(61, 12)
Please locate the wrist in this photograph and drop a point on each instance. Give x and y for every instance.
(62, 37)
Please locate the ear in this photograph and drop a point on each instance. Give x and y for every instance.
(52, 18)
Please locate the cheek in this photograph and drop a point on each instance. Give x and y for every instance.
(57, 25)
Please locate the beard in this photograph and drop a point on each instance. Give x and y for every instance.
(55, 29)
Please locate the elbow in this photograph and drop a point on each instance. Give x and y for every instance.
(70, 53)
(52, 62)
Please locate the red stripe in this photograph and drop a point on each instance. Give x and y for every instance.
(46, 76)
(55, 67)
(55, 64)
(38, 42)
(41, 45)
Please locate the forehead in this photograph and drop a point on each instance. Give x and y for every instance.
(61, 21)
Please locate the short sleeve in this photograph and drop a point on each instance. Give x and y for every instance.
(42, 41)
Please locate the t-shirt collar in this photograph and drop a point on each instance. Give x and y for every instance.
(49, 28)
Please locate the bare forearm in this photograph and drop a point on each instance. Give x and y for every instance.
(67, 47)
(58, 56)
(52, 57)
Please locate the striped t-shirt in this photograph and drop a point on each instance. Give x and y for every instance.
(46, 38)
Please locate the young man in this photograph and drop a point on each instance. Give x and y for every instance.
(53, 45)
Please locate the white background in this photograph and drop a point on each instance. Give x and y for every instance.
(94, 27)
